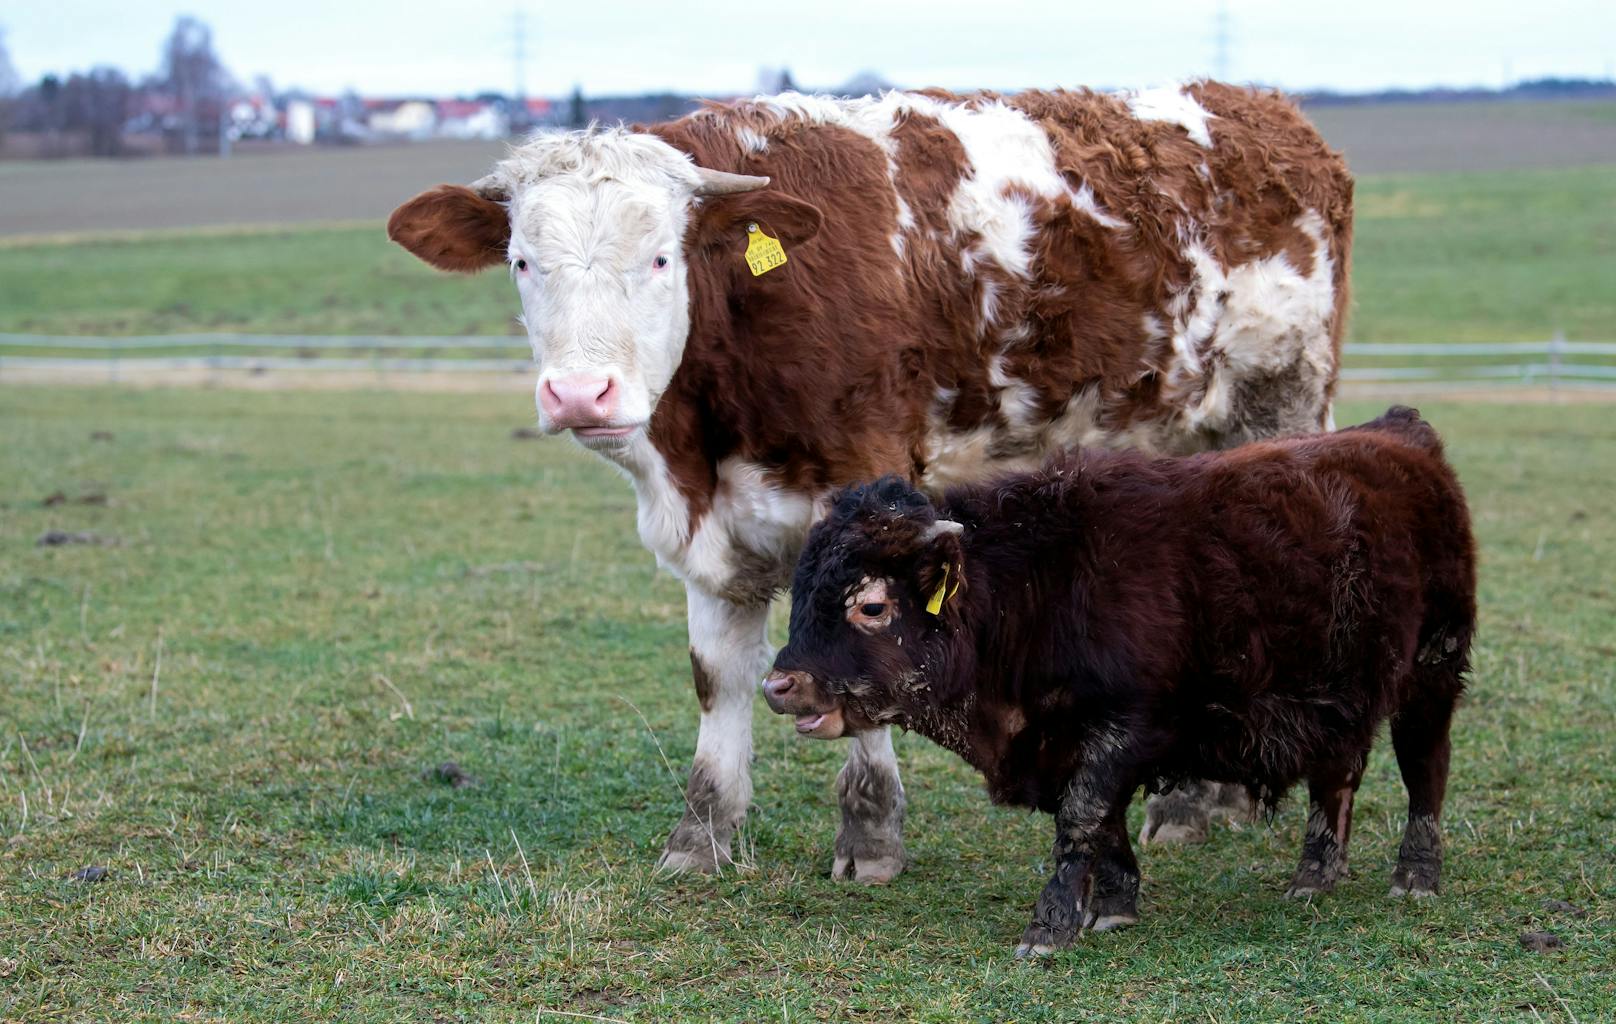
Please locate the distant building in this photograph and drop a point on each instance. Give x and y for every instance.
(300, 124)
(409, 119)
(472, 119)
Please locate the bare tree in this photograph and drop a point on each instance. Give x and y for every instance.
(8, 86)
(193, 79)
(578, 109)
(97, 104)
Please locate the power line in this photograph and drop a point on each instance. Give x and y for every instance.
(519, 52)
(1220, 42)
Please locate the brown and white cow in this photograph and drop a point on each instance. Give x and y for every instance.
(971, 282)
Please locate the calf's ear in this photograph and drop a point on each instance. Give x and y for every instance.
(793, 221)
(453, 228)
(940, 568)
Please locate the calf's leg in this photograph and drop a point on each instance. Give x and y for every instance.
(1115, 902)
(869, 844)
(1330, 793)
(1087, 826)
(729, 652)
(1420, 737)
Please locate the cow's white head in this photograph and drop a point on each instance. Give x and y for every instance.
(604, 232)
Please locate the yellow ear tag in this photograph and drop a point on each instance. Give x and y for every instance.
(943, 593)
(763, 253)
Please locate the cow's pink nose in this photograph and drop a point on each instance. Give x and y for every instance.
(581, 400)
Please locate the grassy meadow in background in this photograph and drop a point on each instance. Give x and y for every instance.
(1483, 256)
(312, 600)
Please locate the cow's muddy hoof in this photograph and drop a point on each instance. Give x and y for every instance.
(1172, 835)
(874, 871)
(706, 862)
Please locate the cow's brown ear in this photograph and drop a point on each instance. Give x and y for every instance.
(452, 228)
(793, 221)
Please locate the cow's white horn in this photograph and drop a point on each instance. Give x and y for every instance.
(722, 183)
(491, 186)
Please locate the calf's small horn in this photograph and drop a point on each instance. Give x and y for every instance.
(722, 183)
(941, 527)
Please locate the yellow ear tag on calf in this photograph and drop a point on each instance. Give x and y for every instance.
(763, 253)
(943, 593)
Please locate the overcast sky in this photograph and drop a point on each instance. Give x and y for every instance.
(425, 47)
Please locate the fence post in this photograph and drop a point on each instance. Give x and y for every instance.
(1556, 351)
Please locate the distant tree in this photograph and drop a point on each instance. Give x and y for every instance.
(578, 110)
(193, 79)
(8, 87)
(98, 104)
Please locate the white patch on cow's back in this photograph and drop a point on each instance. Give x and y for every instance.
(1003, 147)
(1172, 104)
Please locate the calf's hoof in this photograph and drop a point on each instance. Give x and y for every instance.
(1039, 940)
(1417, 880)
(866, 871)
(1108, 913)
(1314, 878)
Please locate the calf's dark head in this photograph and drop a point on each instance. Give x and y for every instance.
(876, 596)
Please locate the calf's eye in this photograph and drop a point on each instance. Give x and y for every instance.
(521, 264)
(660, 262)
(873, 611)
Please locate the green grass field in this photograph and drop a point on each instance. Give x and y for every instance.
(1495, 256)
(315, 597)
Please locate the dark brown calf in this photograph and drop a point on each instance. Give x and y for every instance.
(1113, 621)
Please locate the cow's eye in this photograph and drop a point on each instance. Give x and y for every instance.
(659, 262)
(521, 264)
(873, 610)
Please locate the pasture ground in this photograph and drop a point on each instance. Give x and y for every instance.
(308, 600)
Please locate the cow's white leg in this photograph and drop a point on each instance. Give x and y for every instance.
(869, 845)
(729, 653)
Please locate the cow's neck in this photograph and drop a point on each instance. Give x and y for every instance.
(713, 516)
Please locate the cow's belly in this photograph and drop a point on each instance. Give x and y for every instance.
(1009, 446)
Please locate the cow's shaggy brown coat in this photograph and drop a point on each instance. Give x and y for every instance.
(1114, 621)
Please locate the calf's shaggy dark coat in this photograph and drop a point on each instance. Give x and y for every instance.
(1112, 621)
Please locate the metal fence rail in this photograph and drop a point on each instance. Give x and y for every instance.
(1553, 363)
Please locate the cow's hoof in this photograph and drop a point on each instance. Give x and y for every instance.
(1171, 834)
(1417, 880)
(871, 871)
(1234, 806)
(1177, 817)
(706, 862)
(1039, 941)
